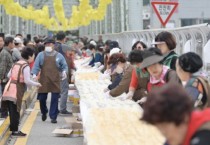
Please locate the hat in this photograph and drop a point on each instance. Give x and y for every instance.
(93, 42)
(66, 48)
(18, 40)
(150, 58)
(49, 40)
(114, 50)
(113, 44)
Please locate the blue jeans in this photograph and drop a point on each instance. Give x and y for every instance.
(42, 97)
(64, 94)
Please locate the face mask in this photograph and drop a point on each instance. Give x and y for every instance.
(48, 49)
(119, 70)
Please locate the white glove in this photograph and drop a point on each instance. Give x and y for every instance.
(105, 76)
(142, 100)
(130, 94)
(34, 76)
(123, 97)
(38, 85)
(95, 67)
(106, 90)
(97, 64)
(64, 75)
(101, 68)
(108, 71)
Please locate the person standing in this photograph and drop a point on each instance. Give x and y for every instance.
(50, 64)
(1, 48)
(19, 77)
(16, 50)
(60, 47)
(6, 63)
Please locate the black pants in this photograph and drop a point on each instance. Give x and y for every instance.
(4, 110)
(14, 115)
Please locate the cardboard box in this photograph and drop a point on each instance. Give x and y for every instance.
(75, 125)
(65, 130)
(77, 129)
(61, 131)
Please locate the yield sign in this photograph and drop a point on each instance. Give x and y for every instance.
(164, 10)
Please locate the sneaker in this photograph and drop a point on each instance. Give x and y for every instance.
(44, 117)
(53, 121)
(65, 112)
(18, 134)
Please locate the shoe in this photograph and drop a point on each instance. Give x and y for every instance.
(18, 134)
(53, 121)
(44, 117)
(65, 112)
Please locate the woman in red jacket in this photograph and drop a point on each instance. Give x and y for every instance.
(170, 109)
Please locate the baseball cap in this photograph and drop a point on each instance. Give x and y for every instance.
(17, 40)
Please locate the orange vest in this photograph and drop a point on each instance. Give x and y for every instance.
(10, 91)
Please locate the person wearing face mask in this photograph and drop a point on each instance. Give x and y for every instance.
(19, 77)
(124, 70)
(47, 63)
(140, 77)
(188, 66)
(63, 49)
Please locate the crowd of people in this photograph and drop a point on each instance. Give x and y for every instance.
(170, 88)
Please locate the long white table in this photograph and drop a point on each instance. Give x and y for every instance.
(110, 121)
